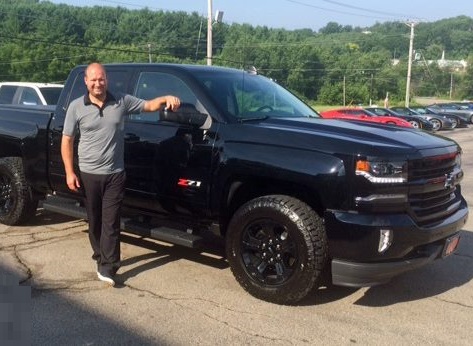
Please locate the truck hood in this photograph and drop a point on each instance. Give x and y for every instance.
(343, 137)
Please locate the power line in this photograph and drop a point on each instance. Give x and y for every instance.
(386, 15)
(390, 14)
(80, 45)
(17, 62)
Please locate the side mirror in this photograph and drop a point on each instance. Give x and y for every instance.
(186, 114)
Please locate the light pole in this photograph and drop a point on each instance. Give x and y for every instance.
(409, 64)
(209, 32)
(218, 19)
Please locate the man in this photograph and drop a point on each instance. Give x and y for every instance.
(99, 117)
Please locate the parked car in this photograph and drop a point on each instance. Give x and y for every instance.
(465, 104)
(453, 108)
(361, 114)
(455, 119)
(440, 122)
(416, 121)
(25, 93)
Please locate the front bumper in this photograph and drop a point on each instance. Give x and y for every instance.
(354, 238)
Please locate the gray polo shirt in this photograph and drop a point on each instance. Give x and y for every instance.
(101, 142)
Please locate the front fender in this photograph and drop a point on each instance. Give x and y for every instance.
(268, 169)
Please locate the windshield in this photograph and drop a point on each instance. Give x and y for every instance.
(247, 96)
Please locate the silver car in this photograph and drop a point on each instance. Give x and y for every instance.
(462, 111)
(440, 122)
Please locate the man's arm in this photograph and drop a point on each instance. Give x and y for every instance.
(67, 153)
(169, 101)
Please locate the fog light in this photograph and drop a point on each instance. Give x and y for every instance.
(385, 239)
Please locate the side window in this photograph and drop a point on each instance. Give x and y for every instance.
(7, 92)
(154, 84)
(354, 113)
(223, 92)
(51, 94)
(29, 96)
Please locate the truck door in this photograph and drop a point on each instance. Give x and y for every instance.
(117, 82)
(168, 165)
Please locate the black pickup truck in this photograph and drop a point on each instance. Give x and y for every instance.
(296, 197)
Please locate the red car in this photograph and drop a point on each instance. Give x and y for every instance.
(361, 114)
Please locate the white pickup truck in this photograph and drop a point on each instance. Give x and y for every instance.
(26, 93)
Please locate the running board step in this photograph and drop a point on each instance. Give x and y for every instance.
(65, 206)
(164, 233)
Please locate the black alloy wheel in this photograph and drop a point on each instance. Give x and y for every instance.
(277, 248)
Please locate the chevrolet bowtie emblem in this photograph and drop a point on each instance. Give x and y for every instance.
(449, 180)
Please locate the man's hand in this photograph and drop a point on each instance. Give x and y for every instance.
(172, 102)
(169, 102)
(67, 153)
(73, 182)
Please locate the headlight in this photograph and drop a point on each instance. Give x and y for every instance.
(382, 171)
(458, 160)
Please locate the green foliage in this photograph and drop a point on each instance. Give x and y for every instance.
(42, 41)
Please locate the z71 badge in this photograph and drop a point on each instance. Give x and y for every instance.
(188, 182)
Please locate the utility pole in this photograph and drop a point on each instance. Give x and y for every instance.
(371, 89)
(209, 33)
(210, 22)
(409, 65)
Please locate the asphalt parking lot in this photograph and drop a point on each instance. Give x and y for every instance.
(169, 295)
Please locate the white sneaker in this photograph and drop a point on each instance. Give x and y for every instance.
(106, 278)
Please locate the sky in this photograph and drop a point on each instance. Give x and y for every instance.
(303, 14)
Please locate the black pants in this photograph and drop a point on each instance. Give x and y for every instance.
(104, 195)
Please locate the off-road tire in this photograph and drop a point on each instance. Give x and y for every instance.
(16, 203)
(276, 246)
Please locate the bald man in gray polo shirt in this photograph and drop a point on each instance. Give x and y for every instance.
(99, 116)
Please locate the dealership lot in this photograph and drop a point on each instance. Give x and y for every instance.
(178, 296)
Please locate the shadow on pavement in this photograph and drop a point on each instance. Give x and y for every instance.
(47, 317)
(434, 279)
(29, 316)
(15, 310)
(431, 280)
(210, 254)
(45, 218)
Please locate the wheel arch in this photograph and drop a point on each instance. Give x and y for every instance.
(10, 148)
(241, 189)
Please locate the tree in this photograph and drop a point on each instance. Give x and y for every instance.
(42, 41)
